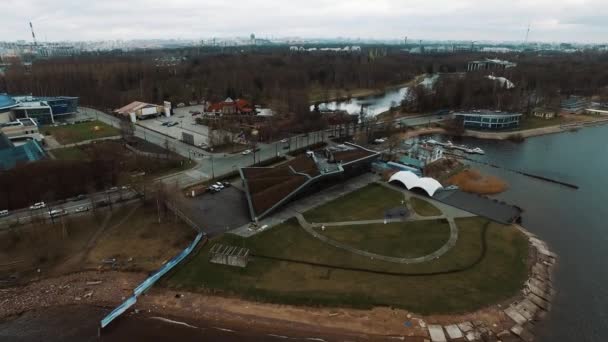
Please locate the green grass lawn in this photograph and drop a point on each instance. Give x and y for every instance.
(424, 208)
(488, 278)
(70, 153)
(531, 122)
(401, 240)
(70, 134)
(367, 203)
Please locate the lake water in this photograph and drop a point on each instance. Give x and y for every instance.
(573, 222)
(374, 105)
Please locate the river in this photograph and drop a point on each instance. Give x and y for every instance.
(373, 104)
(573, 222)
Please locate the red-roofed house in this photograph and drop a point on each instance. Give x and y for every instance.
(230, 107)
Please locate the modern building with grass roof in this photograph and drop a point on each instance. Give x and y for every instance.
(268, 188)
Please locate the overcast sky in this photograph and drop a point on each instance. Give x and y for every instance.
(550, 20)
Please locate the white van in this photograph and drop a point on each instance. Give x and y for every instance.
(3, 213)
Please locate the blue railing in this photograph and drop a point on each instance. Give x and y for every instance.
(146, 284)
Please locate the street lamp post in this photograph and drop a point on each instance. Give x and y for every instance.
(212, 170)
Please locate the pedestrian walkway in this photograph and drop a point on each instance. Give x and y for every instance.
(432, 256)
(307, 203)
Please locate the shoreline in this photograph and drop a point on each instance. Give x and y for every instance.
(370, 92)
(528, 133)
(108, 289)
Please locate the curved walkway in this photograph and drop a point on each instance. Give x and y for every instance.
(432, 256)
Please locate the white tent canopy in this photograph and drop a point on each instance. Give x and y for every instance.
(411, 181)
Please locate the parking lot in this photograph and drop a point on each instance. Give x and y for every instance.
(218, 212)
(180, 123)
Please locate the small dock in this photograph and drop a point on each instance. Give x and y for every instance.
(450, 145)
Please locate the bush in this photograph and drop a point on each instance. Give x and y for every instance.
(517, 137)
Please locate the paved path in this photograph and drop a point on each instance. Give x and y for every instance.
(307, 203)
(364, 222)
(447, 210)
(432, 256)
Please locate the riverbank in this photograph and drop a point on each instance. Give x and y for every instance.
(316, 95)
(108, 289)
(516, 135)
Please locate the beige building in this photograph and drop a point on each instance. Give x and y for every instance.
(142, 110)
(21, 129)
(543, 113)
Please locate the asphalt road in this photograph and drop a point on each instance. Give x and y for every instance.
(210, 165)
(26, 215)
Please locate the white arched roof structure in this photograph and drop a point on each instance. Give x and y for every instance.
(410, 181)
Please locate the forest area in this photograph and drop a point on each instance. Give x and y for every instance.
(537, 81)
(283, 81)
(275, 78)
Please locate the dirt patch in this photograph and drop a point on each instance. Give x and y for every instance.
(136, 241)
(127, 238)
(471, 180)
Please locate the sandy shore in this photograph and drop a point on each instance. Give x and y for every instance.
(109, 289)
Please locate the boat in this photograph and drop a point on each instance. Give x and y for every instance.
(478, 150)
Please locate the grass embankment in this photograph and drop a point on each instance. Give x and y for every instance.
(70, 153)
(471, 180)
(488, 277)
(70, 134)
(61, 245)
(424, 208)
(401, 240)
(368, 203)
(137, 236)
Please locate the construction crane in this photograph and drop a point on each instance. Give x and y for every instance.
(33, 34)
(405, 41)
(527, 35)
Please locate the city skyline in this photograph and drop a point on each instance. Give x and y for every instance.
(550, 21)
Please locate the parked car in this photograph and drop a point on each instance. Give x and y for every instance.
(246, 152)
(82, 209)
(283, 140)
(112, 189)
(226, 184)
(4, 213)
(57, 212)
(80, 197)
(166, 123)
(219, 185)
(38, 205)
(172, 124)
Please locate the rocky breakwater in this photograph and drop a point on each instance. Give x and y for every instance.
(516, 321)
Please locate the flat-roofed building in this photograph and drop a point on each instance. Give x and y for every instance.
(21, 129)
(45, 110)
(490, 64)
(544, 113)
(12, 155)
(574, 104)
(491, 120)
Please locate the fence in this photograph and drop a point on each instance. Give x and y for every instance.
(146, 284)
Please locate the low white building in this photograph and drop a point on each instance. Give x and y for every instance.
(21, 129)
